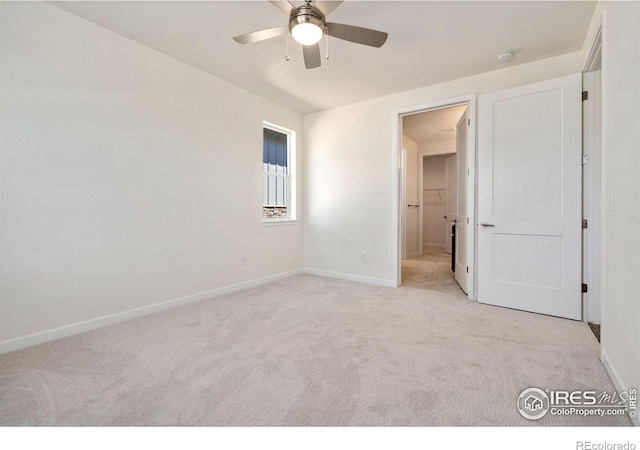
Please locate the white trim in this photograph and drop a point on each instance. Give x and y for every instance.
(432, 245)
(591, 195)
(278, 222)
(92, 324)
(411, 255)
(472, 200)
(617, 381)
(593, 256)
(604, 54)
(396, 235)
(595, 53)
(349, 277)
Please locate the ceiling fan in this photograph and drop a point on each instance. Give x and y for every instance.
(307, 25)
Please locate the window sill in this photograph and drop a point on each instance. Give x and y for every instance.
(278, 222)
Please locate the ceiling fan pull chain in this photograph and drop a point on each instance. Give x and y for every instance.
(286, 57)
(327, 38)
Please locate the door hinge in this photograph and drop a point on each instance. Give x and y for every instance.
(585, 95)
(585, 160)
(469, 122)
(467, 221)
(467, 269)
(584, 287)
(585, 223)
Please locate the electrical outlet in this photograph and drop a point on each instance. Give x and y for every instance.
(363, 256)
(243, 260)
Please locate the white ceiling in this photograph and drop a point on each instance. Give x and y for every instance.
(432, 126)
(429, 42)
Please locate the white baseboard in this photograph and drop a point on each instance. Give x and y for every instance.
(349, 277)
(433, 245)
(92, 324)
(411, 255)
(617, 382)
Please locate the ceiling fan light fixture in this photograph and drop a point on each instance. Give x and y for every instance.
(307, 25)
(307, 33)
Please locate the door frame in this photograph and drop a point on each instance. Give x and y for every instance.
(593, 193)
(397, 115)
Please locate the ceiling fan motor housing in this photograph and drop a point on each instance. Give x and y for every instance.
(308, 14)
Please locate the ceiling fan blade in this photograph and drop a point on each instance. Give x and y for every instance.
(256, 36)
(358, 35)
(284, 6)
(326, 6)
(311, 55)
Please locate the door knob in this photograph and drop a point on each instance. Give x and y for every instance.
(487, 225)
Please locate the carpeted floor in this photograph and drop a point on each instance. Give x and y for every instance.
(430, 271)
(306, 350)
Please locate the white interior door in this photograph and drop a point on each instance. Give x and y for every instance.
(462, 212)
(451, 183)
(529, 198)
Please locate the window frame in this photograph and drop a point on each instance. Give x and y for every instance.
(290, 177)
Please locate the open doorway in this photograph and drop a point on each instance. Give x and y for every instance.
(430, 198)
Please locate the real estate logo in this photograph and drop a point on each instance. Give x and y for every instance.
(533, 403)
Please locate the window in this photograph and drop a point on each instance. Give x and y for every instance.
(277, 174)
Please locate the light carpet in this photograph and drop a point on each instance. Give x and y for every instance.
(306, 350)
(431, 270)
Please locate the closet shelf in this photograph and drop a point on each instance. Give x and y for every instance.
(430, 194)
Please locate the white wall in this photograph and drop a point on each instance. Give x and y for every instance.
(621, 160)
(433, 222)
(350, 188)
(127, 177)
(411, 196)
